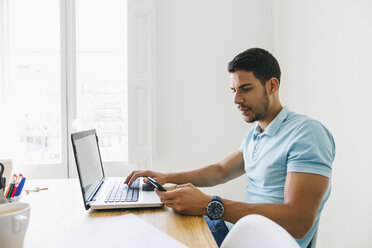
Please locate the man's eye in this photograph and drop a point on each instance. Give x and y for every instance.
(247, 89)
(233, 91)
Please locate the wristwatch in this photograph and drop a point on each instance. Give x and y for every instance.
(215, 208)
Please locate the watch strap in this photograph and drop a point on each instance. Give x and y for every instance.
(216, 198)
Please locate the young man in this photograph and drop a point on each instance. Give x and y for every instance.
(286, 156)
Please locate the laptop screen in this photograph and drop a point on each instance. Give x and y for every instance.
(88, 160)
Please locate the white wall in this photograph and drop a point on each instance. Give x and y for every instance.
(197, 122)
(324, 48)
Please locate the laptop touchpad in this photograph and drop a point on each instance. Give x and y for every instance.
(147, 187)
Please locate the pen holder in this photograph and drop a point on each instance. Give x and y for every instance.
(2, 198)
(14, 199)
(7, 167)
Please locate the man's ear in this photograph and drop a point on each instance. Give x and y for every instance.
(272, 85)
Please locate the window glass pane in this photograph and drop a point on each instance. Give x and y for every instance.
(101, 25)
(30, 82)
(102, 74)
(34, 25)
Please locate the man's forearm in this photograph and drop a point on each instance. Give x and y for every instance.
(207, 176)
(211, 175)
(287, 216)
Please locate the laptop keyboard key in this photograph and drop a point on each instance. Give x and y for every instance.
(123, 193)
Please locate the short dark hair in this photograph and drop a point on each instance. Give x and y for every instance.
(260, 62)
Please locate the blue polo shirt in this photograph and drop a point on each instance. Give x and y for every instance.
(291, 143)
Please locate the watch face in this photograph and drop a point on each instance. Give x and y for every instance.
(215, 210)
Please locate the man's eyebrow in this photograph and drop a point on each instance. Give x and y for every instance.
(242, 86)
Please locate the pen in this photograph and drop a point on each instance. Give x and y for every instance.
(37, 189)
(20, 176)
(11, 186)
(7, 192)
(20, 187)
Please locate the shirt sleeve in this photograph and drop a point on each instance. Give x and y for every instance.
(311, 149)
(242, 145)
(245, 141)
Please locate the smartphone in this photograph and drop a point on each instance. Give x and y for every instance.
(156, 185)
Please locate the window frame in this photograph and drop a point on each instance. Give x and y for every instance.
(141, 81)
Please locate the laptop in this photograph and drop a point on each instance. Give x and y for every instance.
(100, 192)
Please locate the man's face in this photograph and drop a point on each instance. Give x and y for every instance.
(250, 96)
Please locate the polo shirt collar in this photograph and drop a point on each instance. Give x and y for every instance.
(275, 124)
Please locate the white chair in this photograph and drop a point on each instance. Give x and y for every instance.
(259, 232)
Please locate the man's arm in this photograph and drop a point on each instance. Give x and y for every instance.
(211, 175)
(223, 171)
(303, 195)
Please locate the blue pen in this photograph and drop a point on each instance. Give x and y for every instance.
(20, 187)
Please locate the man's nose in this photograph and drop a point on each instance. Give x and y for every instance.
(238, 98)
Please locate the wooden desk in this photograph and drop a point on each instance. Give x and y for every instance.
(63, 203)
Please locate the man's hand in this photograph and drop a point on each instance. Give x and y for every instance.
(186, 199)
(159, 177)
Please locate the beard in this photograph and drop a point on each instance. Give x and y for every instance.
(259, 112)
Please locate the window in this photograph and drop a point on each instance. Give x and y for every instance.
(101, 74)
(30, 80)
(67, 65)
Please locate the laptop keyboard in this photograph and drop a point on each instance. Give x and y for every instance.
(120, 192)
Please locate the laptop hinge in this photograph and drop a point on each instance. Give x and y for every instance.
(93, 194)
